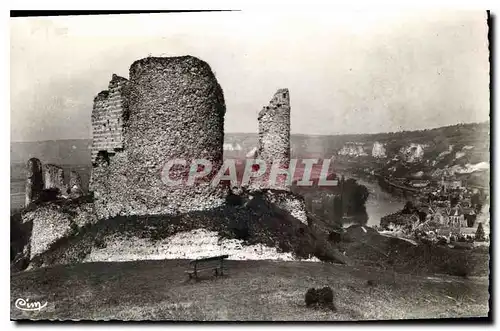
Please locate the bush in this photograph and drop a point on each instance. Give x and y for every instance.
(325, 296)
(233, 199)
(335, 237)
(242, 233)
(322, 297)
(311, 297)
(408, 208)
(239, 228)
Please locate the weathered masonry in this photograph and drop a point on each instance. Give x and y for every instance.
(274, 129)
(47, 183)
(53, 177)
(34, 181)
(274, 134)
(108, 117)
(171, 108)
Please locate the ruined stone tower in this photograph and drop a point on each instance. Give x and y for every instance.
(53, 177)
(34, 181)
(274, 129)
(171, 108)
(108, 116)
(274, 133)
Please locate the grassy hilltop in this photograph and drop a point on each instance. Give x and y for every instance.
(373, 276)
(253, 290)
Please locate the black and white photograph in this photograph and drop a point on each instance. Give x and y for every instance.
(234, 165)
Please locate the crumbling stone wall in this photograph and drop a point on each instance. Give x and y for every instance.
(110, 185)
(47, 183)
(108, 117)
(274, 136)
(274, 128)
(75, 184)
(34, 180)
(54, 177)
(51, 222)
(175, 110)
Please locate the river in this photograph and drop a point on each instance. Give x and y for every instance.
(379, 203)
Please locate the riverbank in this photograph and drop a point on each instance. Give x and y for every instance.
(379, 203)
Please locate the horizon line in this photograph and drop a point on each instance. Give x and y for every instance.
(291, 134)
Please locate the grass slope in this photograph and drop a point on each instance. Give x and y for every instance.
(368, 248)
(253, 290)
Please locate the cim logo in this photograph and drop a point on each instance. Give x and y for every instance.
(26, 305)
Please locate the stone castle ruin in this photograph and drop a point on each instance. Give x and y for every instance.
(171, 108)
(274, 139)
(53, 178)
(46, 183)
(107, 118)
(274, 129)
(34, 181)
(53, 207)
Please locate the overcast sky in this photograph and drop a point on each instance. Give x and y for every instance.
(347, 72)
